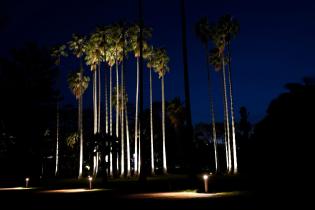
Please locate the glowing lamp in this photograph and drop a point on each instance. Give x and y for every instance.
(205, 179)
(90, 182)
(26, 182)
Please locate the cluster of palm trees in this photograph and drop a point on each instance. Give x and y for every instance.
(106, 48)
(221, 34)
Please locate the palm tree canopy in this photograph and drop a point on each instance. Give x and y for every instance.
(203, 30)
(93, 53)
(77, 45)
(215, 59)
(57, 52)
(148, 55)
(160, 62)
(134, 36)
(176, 112)
(77, 84)
(116, 40)
(229, 27)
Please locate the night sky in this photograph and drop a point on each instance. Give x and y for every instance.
(275, 44)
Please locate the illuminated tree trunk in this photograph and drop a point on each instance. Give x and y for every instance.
(94, 103)
(136, 121)
(227, 117)
(117, 111)
(163, 127)
(122, 139)
(99, 99)
(235, 168)
(106, 102)
(214, 132)
(128, 143)
(151, 126)
(110, 122)
(57, 140)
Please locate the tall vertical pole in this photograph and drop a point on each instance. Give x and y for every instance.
(142, 158)
(189, 145)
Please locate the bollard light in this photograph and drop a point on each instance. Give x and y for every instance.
(26, 182)
(90, 182)
(205, 179)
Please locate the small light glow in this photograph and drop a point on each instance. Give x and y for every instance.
(90, 178)
(205, 177)
(27, 179)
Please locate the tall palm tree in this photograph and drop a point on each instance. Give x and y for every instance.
(92, 60)
(134, 34)
(202, 29)
(218, 37)
(78, 46)
(110, 59)
(116, 42)
(122, 100)
(149, 56)
(230, 28)
(218, 61)
(57, 53)
(161, 68)
(78, 84)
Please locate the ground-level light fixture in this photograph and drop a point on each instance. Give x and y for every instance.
(205, 179)
(90, 182)
(26, 182)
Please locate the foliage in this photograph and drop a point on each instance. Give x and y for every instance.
(72, 140)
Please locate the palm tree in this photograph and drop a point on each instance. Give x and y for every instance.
(149, 56)
(161, 68)
(92, 58)
(78, 84)
(134, 34)
(122, 100)
(110, 59)
(115, 41)
(203, 31)
(230, 28)
(218, 61)
(57, 53)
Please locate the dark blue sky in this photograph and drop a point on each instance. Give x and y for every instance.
(275, 44)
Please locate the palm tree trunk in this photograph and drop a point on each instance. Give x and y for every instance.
(94, 103)
(57, 140)
(211, 97)
(151, 125)
(139, 150)
(128, 143)
(136, 119)
(235, 169)
(189, 147)
(81, 135)
(117, 101)
(117, 112)
(122, 139)
(163, 127)
(227, 116)
(110, 122)
(106, 101)
(99, 99)
(225, 132)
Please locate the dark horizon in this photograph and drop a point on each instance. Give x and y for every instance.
(274, 46)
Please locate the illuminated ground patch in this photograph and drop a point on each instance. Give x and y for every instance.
(183, 195)
(77, 190)
(15, 188)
